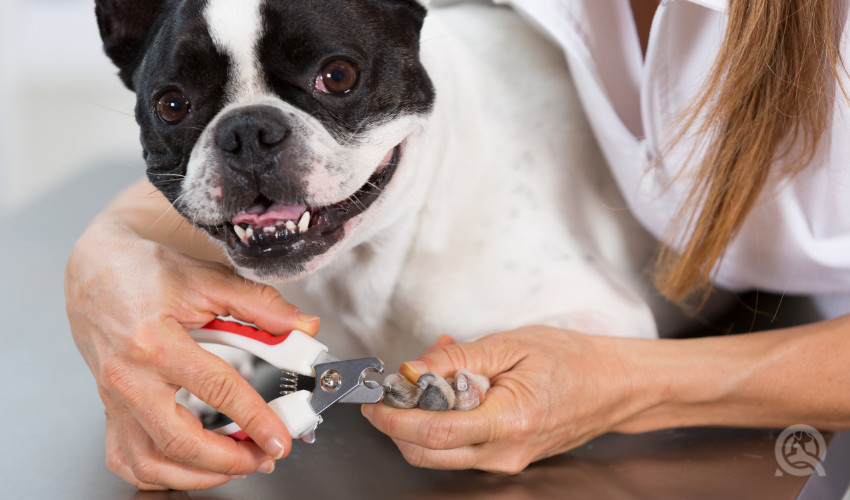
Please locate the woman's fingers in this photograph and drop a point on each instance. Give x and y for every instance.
(453, 459)
(442, 341)
(176, 433)
(132, 391)
(482, 457)
(135, 458)
(488, 356)
(252, 302)
(502, 417)
(220, 386)
(117, 463)
(429, 429)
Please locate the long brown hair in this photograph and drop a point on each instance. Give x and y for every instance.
(769, 97)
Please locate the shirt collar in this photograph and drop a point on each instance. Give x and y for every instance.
(719, 5)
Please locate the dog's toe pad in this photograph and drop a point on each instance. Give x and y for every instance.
(433, 399)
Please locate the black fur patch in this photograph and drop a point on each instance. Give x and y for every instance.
(380, 37)
(180, 55)
(166, 46)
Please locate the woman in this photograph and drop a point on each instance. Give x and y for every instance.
(729, 114)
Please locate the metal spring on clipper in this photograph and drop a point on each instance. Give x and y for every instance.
(288, 382)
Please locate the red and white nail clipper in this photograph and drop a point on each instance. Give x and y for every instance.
(297, 353)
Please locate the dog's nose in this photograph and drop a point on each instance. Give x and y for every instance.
(252, 133)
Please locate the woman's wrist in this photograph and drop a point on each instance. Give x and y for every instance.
(679, 383)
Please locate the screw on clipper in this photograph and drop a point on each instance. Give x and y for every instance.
(330, 381)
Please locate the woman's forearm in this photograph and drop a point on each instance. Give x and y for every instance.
(142, 209)
(777, 378)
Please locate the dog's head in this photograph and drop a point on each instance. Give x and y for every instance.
(277, 126)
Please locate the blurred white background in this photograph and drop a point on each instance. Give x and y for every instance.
(62, 107)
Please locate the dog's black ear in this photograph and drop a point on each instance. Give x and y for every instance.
(123, 26)
(417, 8)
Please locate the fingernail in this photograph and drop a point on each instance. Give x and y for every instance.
(274, 448)
(266, 468)
(307, 318)
(238, 477)
(412, 370)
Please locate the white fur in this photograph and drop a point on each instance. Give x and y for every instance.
(502, 212)
(506, 212)
(235, 28)
(337, 170)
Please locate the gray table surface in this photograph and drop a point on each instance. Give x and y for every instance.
(53, 446)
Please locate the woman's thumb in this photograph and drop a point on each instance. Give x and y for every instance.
(486, 357)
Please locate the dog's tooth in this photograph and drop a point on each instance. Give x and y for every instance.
(304, 223)
(269, 230)
(249, 233)
(240, 232)
(290, 226)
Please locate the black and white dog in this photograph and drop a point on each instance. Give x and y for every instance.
(412, 177)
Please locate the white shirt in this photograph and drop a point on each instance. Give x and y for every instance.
(797, 239)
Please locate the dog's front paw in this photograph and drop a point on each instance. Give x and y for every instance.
(464, 391)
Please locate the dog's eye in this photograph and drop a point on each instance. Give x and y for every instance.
(172, 107)
(337, 77)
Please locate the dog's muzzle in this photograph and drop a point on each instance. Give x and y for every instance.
(268, 229)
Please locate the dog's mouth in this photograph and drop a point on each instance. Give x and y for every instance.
(272, 229)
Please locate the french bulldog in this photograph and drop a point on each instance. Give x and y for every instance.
(406, 173)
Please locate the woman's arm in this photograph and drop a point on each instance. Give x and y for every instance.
(553, 390)
(142, 209)
(766, 379)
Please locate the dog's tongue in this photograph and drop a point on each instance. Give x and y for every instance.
(259, 215)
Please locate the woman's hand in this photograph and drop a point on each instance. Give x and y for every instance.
(552, 391)
(130, 303)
